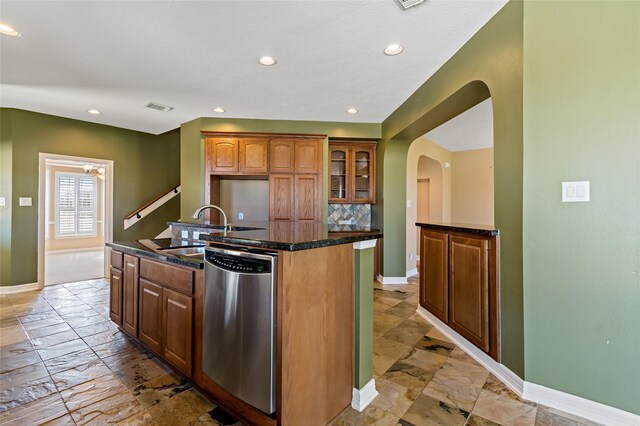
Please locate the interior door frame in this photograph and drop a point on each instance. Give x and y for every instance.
(42, 219)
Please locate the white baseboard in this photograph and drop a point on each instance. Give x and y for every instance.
(363, 397)
(412, 273)
(566, 402)
(74, 250)
(391, 280)
(10, 289)
(508, 377)
(579, 406)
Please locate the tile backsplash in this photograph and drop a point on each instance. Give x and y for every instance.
(348, 214)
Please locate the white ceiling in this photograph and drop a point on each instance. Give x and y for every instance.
(473, 129)
(196, 55)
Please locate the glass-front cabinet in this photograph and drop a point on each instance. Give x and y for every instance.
(338, 173)
(352, 172)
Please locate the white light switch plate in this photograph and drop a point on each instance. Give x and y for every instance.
(3, 201)
(24, 201)
(575, 192)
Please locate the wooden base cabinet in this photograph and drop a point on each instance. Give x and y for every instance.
(434, 273)
(177, 329)
(130, 295)
(459, 285)
(154, 302)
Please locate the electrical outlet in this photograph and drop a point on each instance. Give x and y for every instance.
(241, 216)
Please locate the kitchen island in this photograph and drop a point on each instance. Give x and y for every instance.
(157, 297)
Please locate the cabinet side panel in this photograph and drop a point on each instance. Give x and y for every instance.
(316, 325)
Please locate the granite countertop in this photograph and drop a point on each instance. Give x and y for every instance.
(469, 228)
(287, 236)
(153, 249)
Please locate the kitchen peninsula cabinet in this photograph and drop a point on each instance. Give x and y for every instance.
(158, 299)
(459, 281)
(352, 172)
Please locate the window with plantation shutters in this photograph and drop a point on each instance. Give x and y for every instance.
(75, 205)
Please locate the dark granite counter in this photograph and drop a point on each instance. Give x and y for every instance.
(484, 230)
(154, 249)
(287, 236)
(292, 236)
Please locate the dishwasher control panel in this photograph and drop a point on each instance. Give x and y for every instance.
(239, 264)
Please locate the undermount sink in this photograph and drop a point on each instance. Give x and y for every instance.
(191, 251)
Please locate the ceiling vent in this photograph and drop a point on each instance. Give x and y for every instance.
(158, 107)
(408, 3)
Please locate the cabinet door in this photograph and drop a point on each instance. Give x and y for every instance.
(130, 295)
(362, 174)
(434, 266)
(281, 156)
(177, 329)
(150, 327)
(308, 155)
(280, 197)
(115, 296)
(339, 174)
(253, 156)
(222, 155)
(307, 197)
(469, 289)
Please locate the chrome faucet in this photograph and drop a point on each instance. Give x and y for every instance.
(198, 212)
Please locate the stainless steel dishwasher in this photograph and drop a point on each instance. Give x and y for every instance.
(239, 324)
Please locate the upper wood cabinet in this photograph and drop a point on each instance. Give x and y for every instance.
(308, 155)
(295, 155)
(307, 194)
(253, 156)
(281, 156)
(237, 156)
(352, 173)
(281, 197)
(222, 155)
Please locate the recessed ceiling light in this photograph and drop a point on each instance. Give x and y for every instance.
(393, 49)
(218, 109)
(7, 30)
(94, 112)
(352, 111)
(267, 60)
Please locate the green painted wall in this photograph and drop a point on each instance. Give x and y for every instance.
(490, 64)
(5, 191)
(363, 317)
(582, 260)
(192, 148)
(145, 166)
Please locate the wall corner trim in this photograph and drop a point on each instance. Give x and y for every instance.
(363, 397)
(579, 406)
(391, 280)
(566, 402)
(361, 245)
(18, 288)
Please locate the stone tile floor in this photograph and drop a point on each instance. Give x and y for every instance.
(424, 379)
(63, 362)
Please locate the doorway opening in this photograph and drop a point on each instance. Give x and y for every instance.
(75, 199)
(450, 176)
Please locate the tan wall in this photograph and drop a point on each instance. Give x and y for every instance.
(53, 243)
(472, 187)
(440, 198)
(250, 197)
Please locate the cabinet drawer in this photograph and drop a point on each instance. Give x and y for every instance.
(116, 259)
(169, 276)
